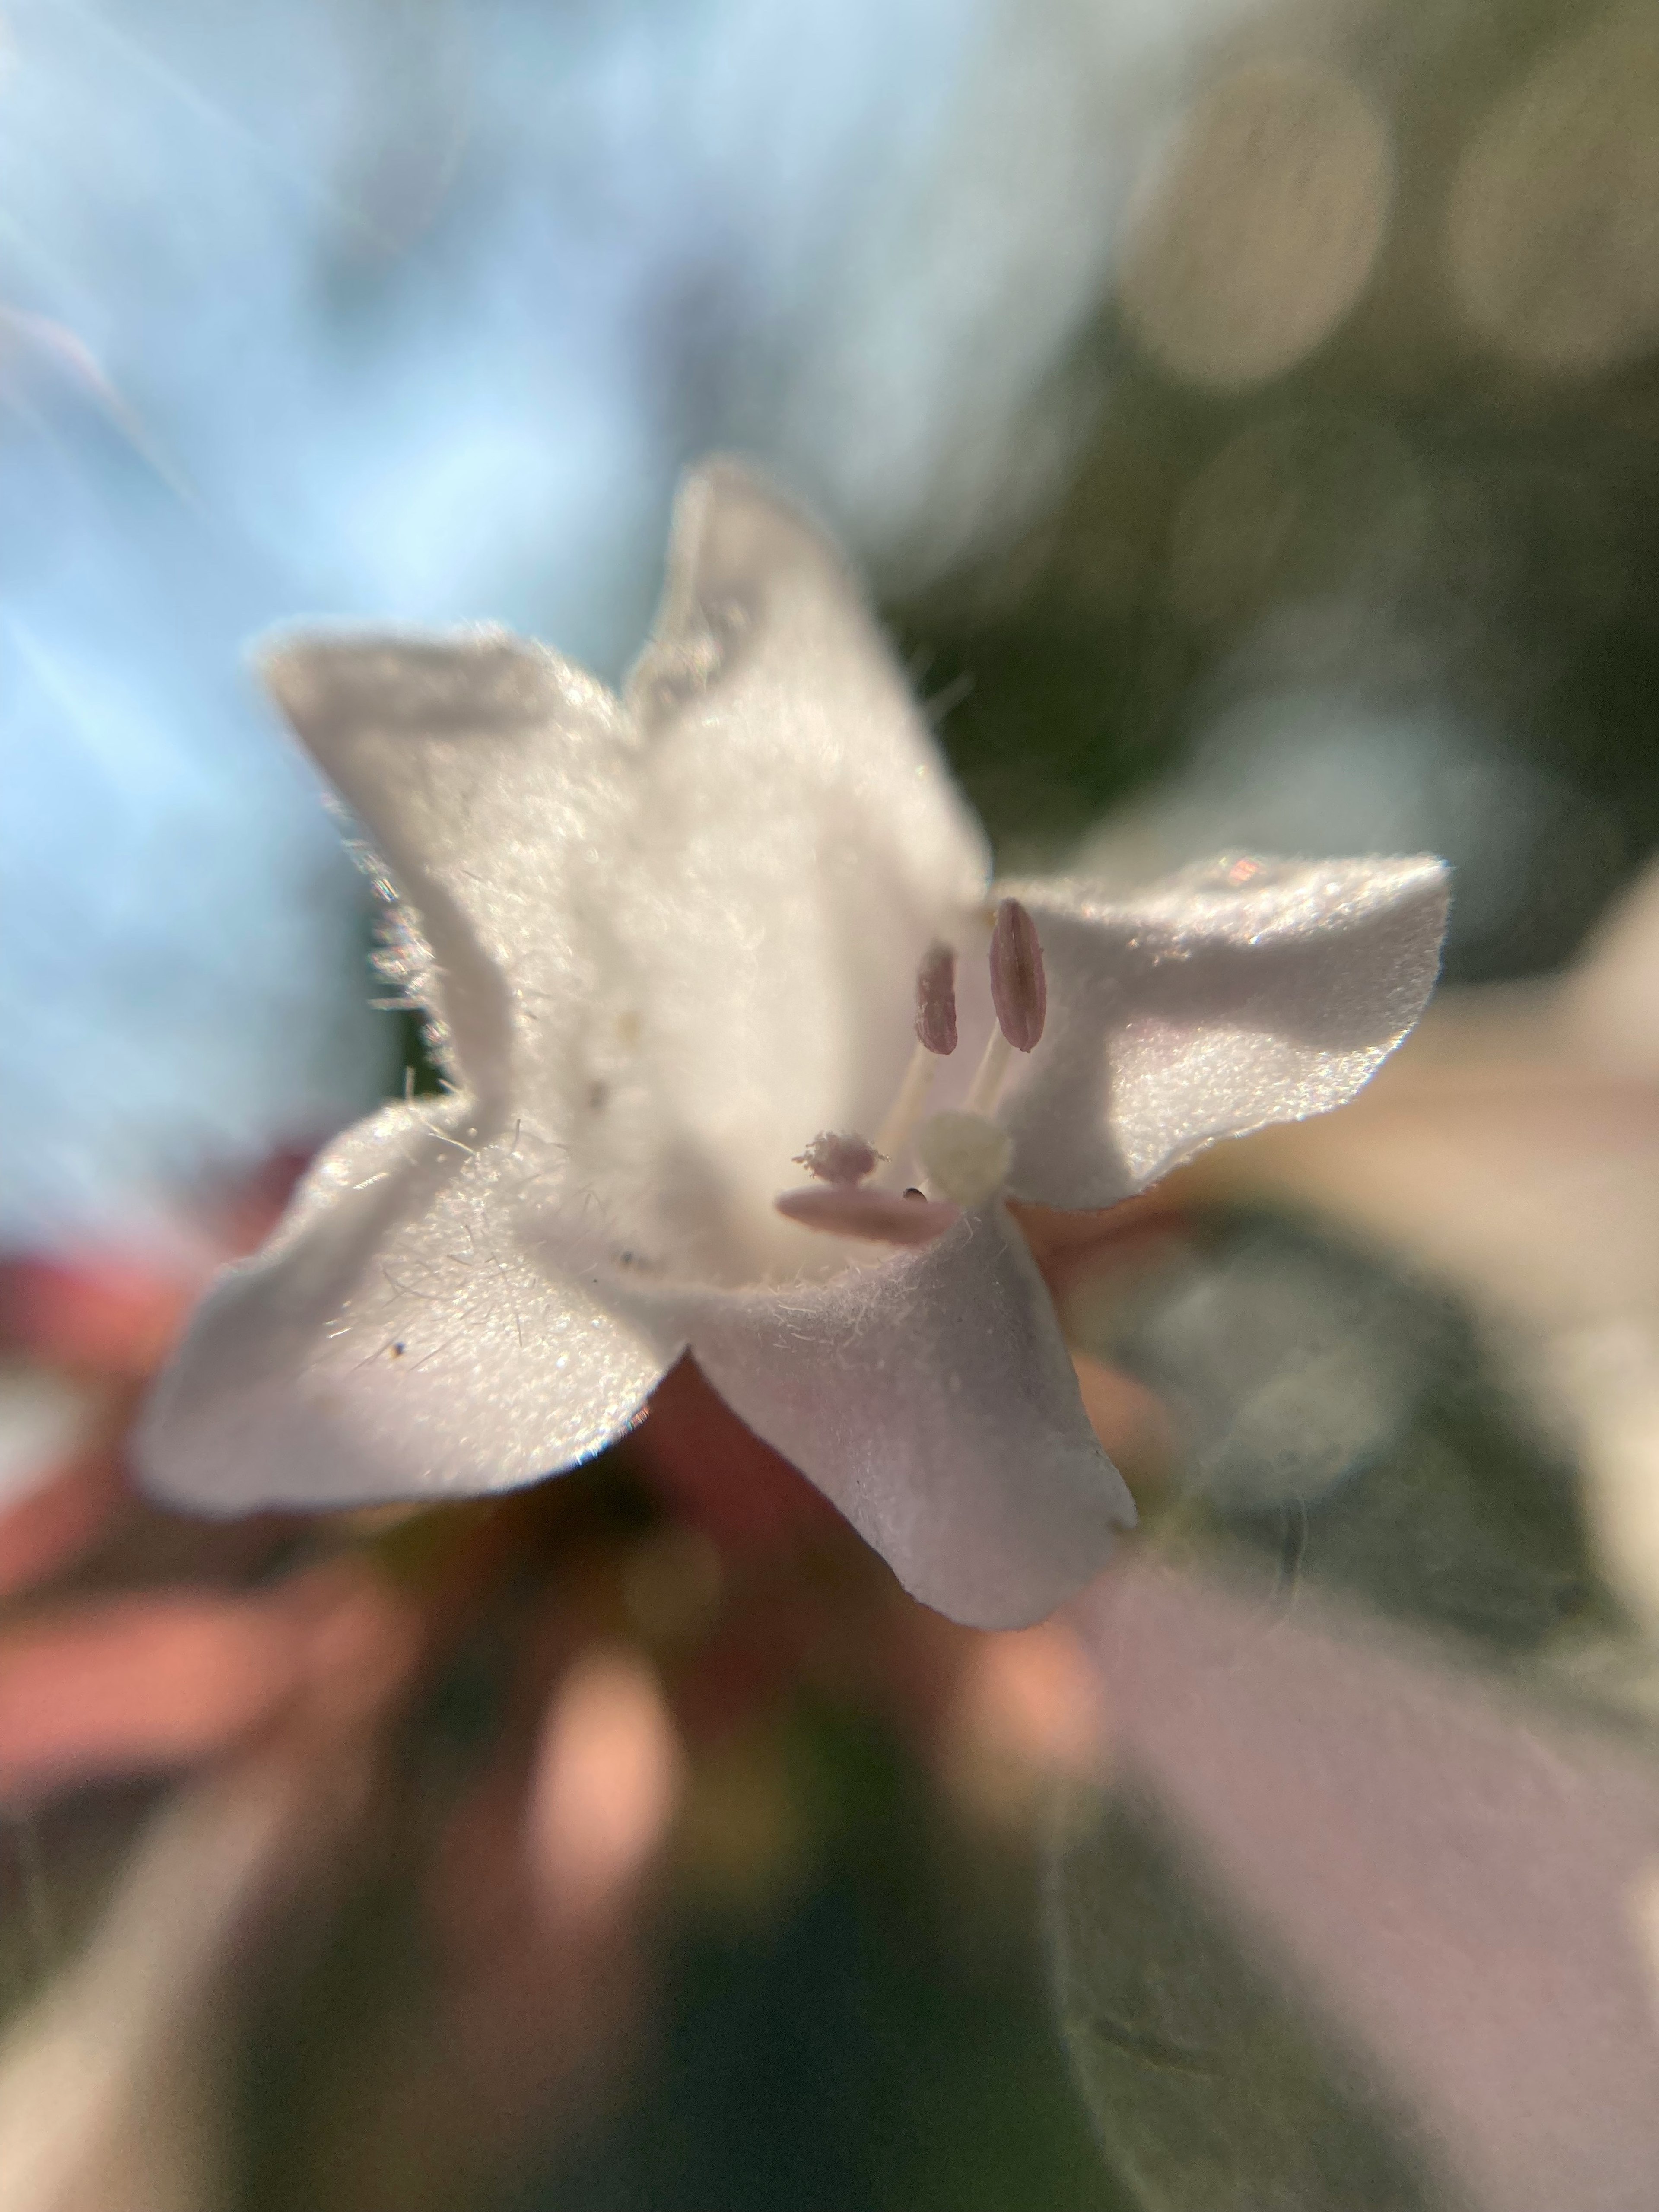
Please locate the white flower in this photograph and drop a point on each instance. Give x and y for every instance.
(666, 942)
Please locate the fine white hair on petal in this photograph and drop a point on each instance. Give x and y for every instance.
(405, 1333)
(931, 1398)
(485, 773)
(1233, 994)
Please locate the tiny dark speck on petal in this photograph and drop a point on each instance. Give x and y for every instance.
(397, 1351)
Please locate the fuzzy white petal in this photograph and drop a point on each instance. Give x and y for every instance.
(800, 844)
(931, 1398)
(1230, 996)
(495, 784)
(406, 1334)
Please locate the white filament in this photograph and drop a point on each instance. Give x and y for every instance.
(988, 1076)
(893, 1138)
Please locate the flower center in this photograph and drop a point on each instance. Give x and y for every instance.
(964, 1153)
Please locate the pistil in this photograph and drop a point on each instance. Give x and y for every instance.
(881, 1217)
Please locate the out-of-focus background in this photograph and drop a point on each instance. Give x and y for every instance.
(1249, 419)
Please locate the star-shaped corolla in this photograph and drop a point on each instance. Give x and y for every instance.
(673, 946)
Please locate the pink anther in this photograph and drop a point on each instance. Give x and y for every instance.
(1019, 991)
(936, 1000)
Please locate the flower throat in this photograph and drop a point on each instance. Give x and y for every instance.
(964, 1153)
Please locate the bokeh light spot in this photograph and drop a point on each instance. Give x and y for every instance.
(1256, 234)
(1553, 226)
(606, 1782)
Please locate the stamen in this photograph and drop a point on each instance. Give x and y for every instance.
(966, 1156)
(1019, 990)
(907, 1109)
(879, 1215)
(983, 1090)
(936, 1039)
(936, 1000)
(839, 1158)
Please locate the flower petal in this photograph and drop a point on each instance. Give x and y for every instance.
(801, 844)
(405, 1333)
(930, 1396)
(493, 783)
(1229, 996)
